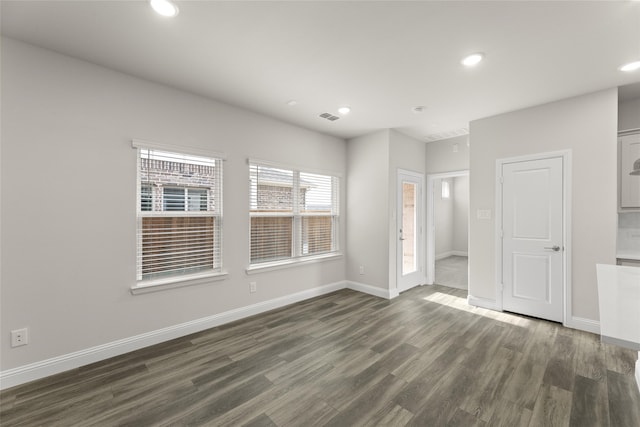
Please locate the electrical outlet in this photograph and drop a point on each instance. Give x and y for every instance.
(361, 269)
(252, 287)
(19, 337)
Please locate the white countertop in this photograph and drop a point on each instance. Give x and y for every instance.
(619, 300)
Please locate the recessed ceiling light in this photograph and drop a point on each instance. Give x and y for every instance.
(292, 102)
(631, 66)
(164, 7)
(344, 110)
(472, 60)
(419, 109)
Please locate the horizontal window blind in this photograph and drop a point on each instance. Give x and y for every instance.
(293, 213)
(318, 206)
(179, 214)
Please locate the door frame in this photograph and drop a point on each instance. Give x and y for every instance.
(565, 155)
(431, 235)
(419, 208)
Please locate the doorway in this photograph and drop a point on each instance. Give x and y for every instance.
(448, 222)
(532, 227)
(410, 271)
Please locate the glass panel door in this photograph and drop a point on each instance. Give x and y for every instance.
(409, 250)
(408, 238)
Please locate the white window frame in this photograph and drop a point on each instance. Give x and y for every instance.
(175, 281)
(297, 257)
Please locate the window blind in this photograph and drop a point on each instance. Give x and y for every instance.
(318, 206)
(179, 214)
(293, 213)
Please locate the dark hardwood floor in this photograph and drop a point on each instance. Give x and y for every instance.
(425, 358)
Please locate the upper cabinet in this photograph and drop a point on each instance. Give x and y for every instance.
(629, 172)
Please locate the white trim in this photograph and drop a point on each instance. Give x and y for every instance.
(568, 239)
(566, 156)
(55, 365)
(196, 151)
(451, 253)
(620, 342)
(372, 290)
(430, 275)
(583, 324)
(482, 302)
(443, 255)
(146, 286)
(292, 262)
(497, 230)
(638, 371)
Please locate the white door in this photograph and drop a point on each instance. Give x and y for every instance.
(532, 244)
(409, 224)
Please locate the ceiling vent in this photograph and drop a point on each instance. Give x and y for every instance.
(446, 135)
(329, 117)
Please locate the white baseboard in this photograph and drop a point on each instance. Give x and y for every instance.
(583, 324)
(372, 290)
(451, 253)
(55, 365)
(443, 255)
(482, 302)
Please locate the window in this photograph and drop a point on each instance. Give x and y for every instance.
(184, 199)
(179, 214)
(446, 191)
(294, 214)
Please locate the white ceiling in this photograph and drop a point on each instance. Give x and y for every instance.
(380, 58)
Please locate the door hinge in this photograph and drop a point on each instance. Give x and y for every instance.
(501, 180)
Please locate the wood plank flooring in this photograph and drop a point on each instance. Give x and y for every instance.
(452, 271)
(425, 358)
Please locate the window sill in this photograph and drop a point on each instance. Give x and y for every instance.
(146, 286)
(268, 266)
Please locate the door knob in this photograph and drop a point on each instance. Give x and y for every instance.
(554, 248)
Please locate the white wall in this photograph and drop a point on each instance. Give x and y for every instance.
(68, 201)
(586, 125)
(451, 217)
(368, 209)
(443, 210)
(440, 157)
(460, 238)
(629, 114)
